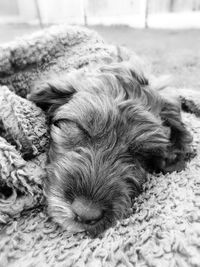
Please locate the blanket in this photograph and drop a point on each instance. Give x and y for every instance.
(164, 229)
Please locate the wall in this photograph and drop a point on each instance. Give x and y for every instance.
(9, 8)
(61, 11)
(161, 13)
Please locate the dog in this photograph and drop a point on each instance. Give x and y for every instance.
(109, 128)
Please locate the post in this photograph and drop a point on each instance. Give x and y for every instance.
(146, 14)
(39, 13)
(84, 12)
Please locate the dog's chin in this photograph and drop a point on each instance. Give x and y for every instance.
(62, 214)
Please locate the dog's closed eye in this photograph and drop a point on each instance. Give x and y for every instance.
(67, 134)
(66, 123)
(53, 92)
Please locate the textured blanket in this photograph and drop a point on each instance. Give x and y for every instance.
(164, 229)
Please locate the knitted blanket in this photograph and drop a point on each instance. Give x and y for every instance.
(164, 229)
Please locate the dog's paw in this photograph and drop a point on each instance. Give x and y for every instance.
(177, 161)
(190, 100)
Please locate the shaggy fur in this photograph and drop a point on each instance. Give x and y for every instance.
(109, 128)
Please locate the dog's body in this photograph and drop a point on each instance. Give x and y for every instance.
(109, 128)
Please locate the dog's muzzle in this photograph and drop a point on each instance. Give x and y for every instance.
(86, 212)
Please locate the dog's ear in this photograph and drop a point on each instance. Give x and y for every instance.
(146, 130)
(52, 93)
(147, 136)
(150, 141)
(130, 76)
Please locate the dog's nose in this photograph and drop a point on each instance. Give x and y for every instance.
(85, 211)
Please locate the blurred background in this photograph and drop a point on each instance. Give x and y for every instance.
(165, 32)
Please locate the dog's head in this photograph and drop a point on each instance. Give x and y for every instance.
(104, 125)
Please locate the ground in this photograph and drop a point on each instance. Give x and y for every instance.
(174, 52)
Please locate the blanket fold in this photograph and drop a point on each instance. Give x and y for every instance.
(24, 124)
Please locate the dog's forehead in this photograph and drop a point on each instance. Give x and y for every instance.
(94, 112)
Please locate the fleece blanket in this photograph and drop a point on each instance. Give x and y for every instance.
(164, 228)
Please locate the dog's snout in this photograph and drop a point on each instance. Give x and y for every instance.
(85, 211)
